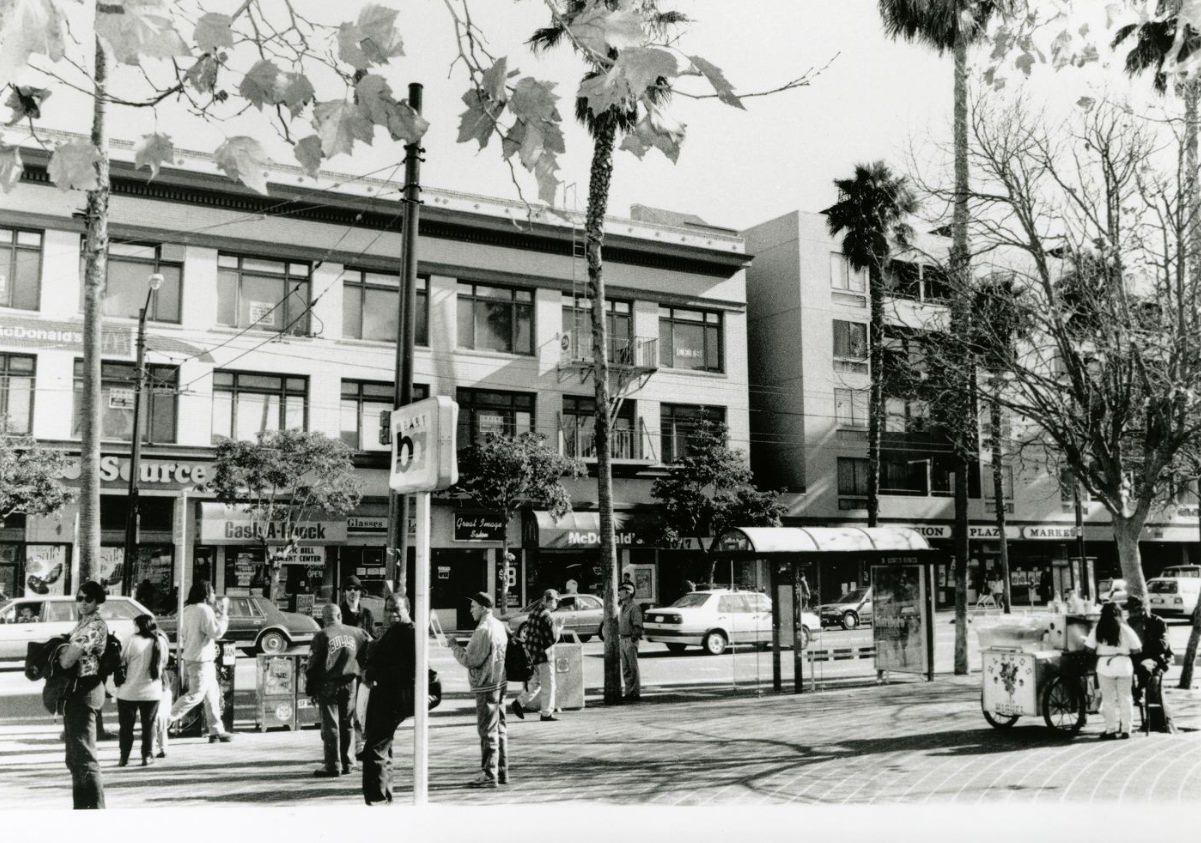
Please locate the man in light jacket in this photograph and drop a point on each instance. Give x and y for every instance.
(203, 621)
(484, 658)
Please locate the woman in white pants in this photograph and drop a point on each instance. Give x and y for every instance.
(204, 620)
(1116, 645)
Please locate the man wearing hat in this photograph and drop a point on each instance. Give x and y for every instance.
(1153, 661)
(484, 658)
(629, 630)
(357, 615)
(540, 636)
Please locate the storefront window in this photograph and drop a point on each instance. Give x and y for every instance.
(245, 571)
(16, 393)
(47, 569)
(482, 412)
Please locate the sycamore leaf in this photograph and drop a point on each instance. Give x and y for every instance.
(339, 124)
(139, 29)
(1086, 103)
(25, 102)
(203, 74)
(243, 158)
(11, 167)
(213, 30)
(308, 153)
(545, 172)
(372, 39)
(375, 100)
(493, 82)
(262, 85)
(1024, 63)
(479, 120)
(655, 130)
(534, 100)
(598, 29)
(152, 151)
(297, 92)
(29, 27)
(725, 91)
(73, 166)
(635, 70)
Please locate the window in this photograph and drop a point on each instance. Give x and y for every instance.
(906, 416)
(130, 266)
(20, 268)
(118, 385)
(370, 302)
(690, 339)
(16, 393)
(842, 277)
(579, 423)
(676, 422)
(245, 403)
(267, 294)
(362, 404)
(502, 413)
(850, 407)
(852, 482)
(850, 346)
(901, 475)
(918, 282)
(496, 318)
(619, 326)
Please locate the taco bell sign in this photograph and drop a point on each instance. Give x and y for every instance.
(424, 457)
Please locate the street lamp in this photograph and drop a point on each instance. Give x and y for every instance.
(135, 455)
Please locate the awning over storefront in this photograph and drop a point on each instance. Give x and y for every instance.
(819, 539)
(579, 530)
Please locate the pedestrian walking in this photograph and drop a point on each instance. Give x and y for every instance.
(357, 615)
(162, 722)
(391, 675)
(145, 660)
(1153, 662)
(82, 703)
(336, 658)
(484, 658)
(541, 632)
(204, 620)
(1116, 645)
(629, 631)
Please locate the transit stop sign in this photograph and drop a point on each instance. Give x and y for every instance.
(424, 458)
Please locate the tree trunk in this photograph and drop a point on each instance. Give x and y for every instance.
(998, 487)
(1126, 531)
(1190, 652)
(594, 232)
(960, 273)
(95, 256)
(1192, 188)
(875, 398)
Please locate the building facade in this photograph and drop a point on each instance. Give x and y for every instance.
(808, 316)
(280, 311)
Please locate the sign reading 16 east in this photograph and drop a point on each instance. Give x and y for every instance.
(423, 446)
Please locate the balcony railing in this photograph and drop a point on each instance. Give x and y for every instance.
(623, 444)
(636, 353)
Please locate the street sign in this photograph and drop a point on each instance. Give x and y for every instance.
(423, 446)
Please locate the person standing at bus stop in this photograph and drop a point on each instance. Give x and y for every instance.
(629, 630)
(355, 614)
(484, 658)
(540, 636)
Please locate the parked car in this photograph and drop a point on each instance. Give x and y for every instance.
(851, 609)
(26, 619)
(582, 614)
(1113, 590)
(715, 619)
(1173, 597)
(257, 624)
(1191, 571)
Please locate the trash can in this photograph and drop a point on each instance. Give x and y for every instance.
(193, 724)
(569, 673)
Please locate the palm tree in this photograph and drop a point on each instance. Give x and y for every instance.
(953, 25)
(870, 215)
(604, 129)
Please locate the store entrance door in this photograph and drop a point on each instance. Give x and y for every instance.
(456, 575)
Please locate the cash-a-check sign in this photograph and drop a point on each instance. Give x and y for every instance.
(423, 446)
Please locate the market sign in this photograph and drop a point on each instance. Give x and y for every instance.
(479, 527)
(233, 525)
(991, 532)
(423, 446)
(1054, 533)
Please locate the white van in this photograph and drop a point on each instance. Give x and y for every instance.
(1173, 597)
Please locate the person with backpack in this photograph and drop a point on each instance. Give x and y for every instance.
(145, 661)
(484, 658)
(204, 620)
(541, 632)
(82, 702)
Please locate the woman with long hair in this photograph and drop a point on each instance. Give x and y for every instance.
(204, 620)
(1116, 645)
(145, 661)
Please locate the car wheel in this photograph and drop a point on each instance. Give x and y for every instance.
(849, 620)
(273, 641)
(676, 648)
(715, 643)
(806, 635)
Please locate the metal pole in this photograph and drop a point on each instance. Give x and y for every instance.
(135, 455)
(398, 505)
(421, 621)
(1080, 536)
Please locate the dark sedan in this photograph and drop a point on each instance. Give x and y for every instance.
(255, 623)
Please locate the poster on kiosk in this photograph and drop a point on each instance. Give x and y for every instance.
(424, 460)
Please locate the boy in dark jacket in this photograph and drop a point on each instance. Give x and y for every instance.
(337, 655)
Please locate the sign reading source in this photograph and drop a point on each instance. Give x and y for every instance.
(423, 446)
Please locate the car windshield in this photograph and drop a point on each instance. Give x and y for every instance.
(852, 596)
(691, 600)
(1161, 586)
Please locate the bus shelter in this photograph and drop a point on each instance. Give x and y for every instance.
(902, 577)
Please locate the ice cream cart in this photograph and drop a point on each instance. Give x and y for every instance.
(1037, 665)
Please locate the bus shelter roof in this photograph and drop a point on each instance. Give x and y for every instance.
(758, 541)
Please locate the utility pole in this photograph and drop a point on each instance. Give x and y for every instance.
(135, 453)
(398, 505)
(1079, 507)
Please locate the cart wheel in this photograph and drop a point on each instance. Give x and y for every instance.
(1063, 708)
(997, 721)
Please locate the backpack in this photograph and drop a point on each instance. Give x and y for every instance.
(111, 663)
(517, 663)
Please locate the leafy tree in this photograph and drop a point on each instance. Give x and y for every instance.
(30, 477)
(870, 214)
(504, 473)
(709, 490)
(284, 478)
(953, 25)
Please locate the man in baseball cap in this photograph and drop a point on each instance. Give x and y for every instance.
(629, 630)
(484, 658)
